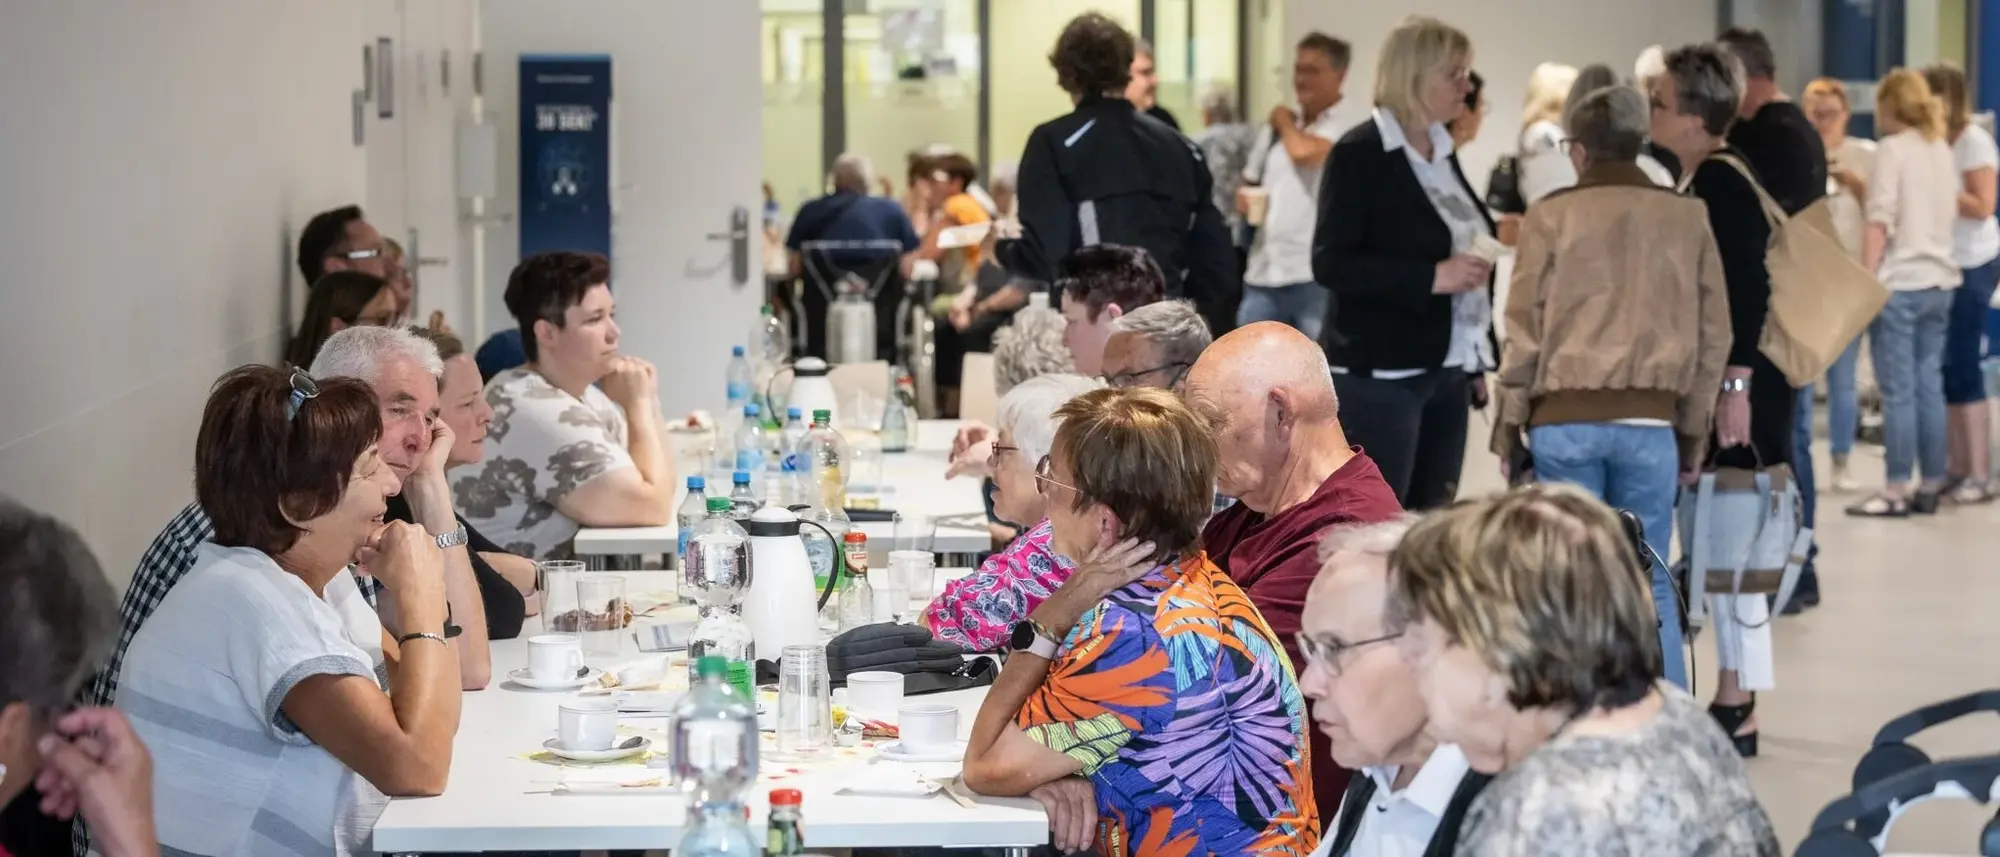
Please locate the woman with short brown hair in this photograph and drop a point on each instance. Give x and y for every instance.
(1146, 704)
(271, 725)
(1527, 620)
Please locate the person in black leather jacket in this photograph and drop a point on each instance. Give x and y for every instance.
(1104, 173)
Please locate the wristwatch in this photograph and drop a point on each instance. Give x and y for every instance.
(453, 539)
(1028, 637)
(1736, 385)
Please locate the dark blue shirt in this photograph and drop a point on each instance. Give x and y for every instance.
(848, 216)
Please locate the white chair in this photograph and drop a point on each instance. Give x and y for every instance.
(978, 390)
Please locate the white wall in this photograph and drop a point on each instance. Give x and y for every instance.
(159, 159)
(1509, 39)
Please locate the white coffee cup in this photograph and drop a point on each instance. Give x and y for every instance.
(587, 724)
(1256, 202)
(875, 694)
(554, 657)
(927, 727)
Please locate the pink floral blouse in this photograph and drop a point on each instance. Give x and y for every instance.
(978, 611)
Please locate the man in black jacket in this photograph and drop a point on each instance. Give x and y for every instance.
(1106, 174)
(1412, 793)
(1785, 149)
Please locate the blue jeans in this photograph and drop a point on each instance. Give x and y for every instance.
(1964, 383)
(1843, 408)
(1907, 342)
(1301, 305)
(1629, 467)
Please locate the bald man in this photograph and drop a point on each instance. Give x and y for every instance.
(1289, 466)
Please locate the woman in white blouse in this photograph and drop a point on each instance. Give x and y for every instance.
(1975, 246)
(1912, 203)
(1545, 167)
(1849, 160)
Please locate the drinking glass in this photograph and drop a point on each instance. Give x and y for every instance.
(805, 704)
(915, 531)
(601, 611)
(557, 581)
(914, 571)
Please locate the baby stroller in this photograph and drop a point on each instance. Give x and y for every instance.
(1894, 776)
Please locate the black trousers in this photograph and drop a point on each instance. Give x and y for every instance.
(1414, 429)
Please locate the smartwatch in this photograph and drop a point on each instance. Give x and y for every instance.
(453, 539)
(1029, 638)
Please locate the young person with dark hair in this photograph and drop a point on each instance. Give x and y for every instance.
(1102, 175)
(577, 438)
(340, 239)
(340, 300)
(1098, 284)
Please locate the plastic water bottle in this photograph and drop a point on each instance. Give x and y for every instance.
(826, 455)
(857, 597)
(773, 341)
(790, 458)
(717, 829)
(689, 515)
(743, 501)
(896, 415)
(752, 446)
(714, 739)
(741, 385)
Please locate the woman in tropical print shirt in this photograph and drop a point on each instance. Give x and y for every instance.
(1153, 697)
(979, 610)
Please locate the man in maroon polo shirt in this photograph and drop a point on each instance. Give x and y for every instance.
(1285, 459)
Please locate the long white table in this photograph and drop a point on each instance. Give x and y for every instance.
(486, 806)
(917, 483)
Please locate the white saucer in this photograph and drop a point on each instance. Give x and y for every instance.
(525, 679)
(553, 745)
(894, 752)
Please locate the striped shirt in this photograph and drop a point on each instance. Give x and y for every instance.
(204, 682)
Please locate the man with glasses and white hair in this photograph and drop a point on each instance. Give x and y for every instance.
(1268, 395)
(1155, 345)
(1412, 792)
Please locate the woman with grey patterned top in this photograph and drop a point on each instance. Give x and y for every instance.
(1529, 625)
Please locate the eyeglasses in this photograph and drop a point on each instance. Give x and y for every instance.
(1328, 654)
(1042, 480)
(993, 458)
(303, 388)
(1124, 380)
(353, 255)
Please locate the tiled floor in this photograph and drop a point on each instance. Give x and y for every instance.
(1911, 616)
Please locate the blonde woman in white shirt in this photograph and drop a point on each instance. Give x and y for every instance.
(1912, 202)
(1545, 167)
(1849, 161)
(1975, 246)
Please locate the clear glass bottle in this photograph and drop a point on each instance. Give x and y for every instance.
(714, 737)
(784, 830)
(857, 598)
(895, 415)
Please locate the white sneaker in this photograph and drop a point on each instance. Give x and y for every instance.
(1844, 481)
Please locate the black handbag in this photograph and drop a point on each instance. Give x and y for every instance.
(1503, 187)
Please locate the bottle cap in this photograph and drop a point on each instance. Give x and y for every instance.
(696, 483)
(718, 504)
(752, 410)
(855, 536)
(786, 797)
(793, 413)
(822, 415)
(764, 310)
(736, 350)
(709, 665)
(742, 477)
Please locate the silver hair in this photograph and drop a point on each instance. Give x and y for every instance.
(1377, 539)
(1174, 327)
(361, 352)
(1611, 124)
(1028, 411)
(58, 616)
(1219, 105)
(852, 171)
(1708, 83)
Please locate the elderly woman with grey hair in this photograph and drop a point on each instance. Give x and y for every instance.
(56, 623)
(1615, 260)
(1694, 102)
(1155, 345)
(979, 611)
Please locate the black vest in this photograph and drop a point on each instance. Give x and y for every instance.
(1354, 805)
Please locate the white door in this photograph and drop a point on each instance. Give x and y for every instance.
(686, 143)
(436, 72)
(382, 117)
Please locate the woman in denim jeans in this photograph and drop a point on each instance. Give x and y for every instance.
(1912, 202)
(1849, 161)
(1975, 245)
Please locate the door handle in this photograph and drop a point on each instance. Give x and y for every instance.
(738, 237)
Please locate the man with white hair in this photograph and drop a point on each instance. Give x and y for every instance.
(403, 370)
(1268, 393)
(1412, 792)
(1155, 345)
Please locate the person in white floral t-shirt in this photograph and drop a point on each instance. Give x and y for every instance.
(577, 438)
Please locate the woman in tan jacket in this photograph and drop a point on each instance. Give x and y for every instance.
(1617, 332)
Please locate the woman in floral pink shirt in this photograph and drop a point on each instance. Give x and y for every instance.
(978, 611)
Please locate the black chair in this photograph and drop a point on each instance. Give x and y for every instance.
(1894, 776)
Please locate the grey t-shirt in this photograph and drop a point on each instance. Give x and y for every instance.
(1675, 787)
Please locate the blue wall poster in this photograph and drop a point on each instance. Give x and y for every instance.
(565, 153)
